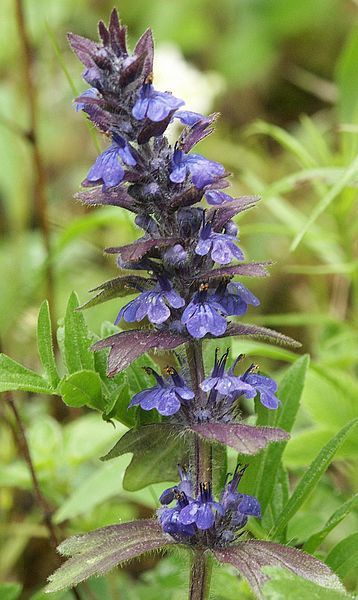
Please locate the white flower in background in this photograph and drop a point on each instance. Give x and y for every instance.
(197, 89)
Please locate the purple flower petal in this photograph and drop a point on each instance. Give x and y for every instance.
(205, 517)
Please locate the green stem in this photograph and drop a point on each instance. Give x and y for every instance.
(200, 576)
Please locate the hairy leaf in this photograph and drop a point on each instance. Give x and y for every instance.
(116, 288)
(14, 376)
(126, 346)
(78, 355)
(45, 346)
(82, 388)
(311, 477)
(285, 585)
(156, 449)
(254, 331)
(249, 558)
(101, 550)
(220, 215)
(258, 269)
(116, 196)
(135, 251)
(245, 439)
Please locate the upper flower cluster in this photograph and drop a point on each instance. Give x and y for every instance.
(191, 516)
(161, 184)
(223, 389)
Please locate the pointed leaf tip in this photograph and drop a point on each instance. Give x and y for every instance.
(99, 551)
(249, 558)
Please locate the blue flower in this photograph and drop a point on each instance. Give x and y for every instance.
(166, 397)
(185, 486)
(225, 383)
(154, 105)
(201, 511)
(188, 117)
(204, 315)
(202, 171)
(264, 386)
(221, 246)
(107, 169)
(152, 304)
(239, 506)
(217, 197)
(235, 298)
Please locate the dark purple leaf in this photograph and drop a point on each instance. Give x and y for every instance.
(99, 551)
(145, 47)
(258, 269)
(249, 557)
(197, 132)
(220, 215)
(264, 333)
(135, 251)
(84, 48)
(117, 34)
(245, 439)
(153, 128)
(126, 346)
(186, 198)
(116, 196)
(118, 287)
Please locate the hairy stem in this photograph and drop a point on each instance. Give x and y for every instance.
(200, 576)
(40, 195)
(40, 499)
(202, 450)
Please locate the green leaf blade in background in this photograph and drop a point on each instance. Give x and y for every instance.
(45, 346)
(311, 477)
(77, 341)
(261, 476)
(335, 519)
(343, 558)
(15, 377)
(10, 591)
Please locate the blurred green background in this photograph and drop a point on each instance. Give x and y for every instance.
(284, 75)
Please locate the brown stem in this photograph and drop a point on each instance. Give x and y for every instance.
(200, 576)
(40, 196)
(41, 500)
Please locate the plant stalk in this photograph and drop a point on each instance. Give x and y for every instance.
(40, 193)
(202, 449)
(200, 576)
(21, 439)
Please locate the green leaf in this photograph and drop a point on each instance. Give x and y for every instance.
(347, 79)
(285, 585)
(10, 591)
(264, 467)
(45, 347)
(311, 478)
(343, 558)
(77, 342)
(156, 450)
(14, 376)
(82, 388)
(317, 538)
(348, 176)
